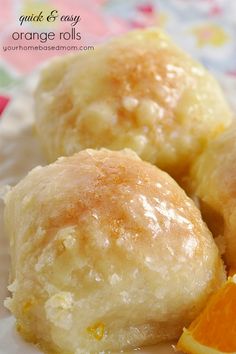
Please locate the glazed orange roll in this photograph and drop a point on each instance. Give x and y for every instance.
(213, 180)
(138, 91)
(108, 253)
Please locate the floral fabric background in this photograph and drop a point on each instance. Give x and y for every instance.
(205, 28)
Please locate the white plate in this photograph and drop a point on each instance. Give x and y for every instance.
(19, 153)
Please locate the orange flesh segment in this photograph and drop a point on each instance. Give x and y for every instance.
(216, 325)
(232, 271)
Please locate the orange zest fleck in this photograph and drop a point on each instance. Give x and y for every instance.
(97, 331)
(27, 306)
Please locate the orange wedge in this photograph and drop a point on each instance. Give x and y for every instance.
(214, 330)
